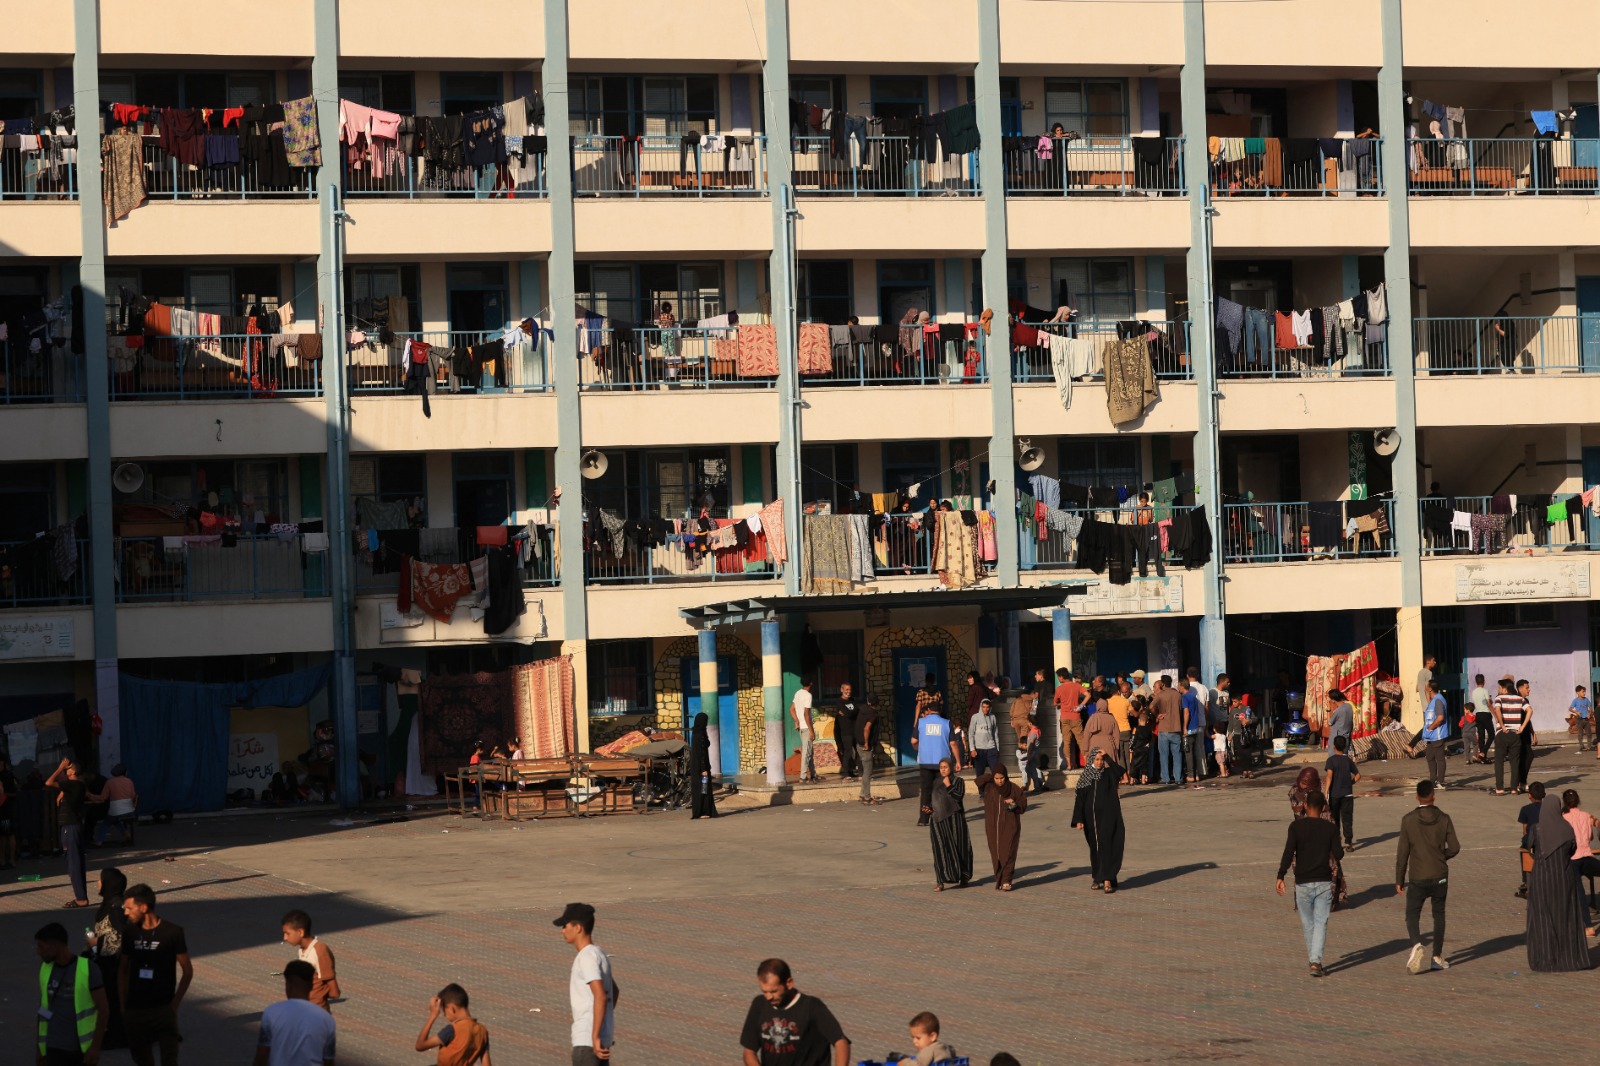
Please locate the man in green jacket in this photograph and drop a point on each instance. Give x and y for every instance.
(1427, 844)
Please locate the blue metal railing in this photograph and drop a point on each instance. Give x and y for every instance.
(1525, 529)
(1080, 167)
(1264, 173)
(34, 176)
(29, 576)
(408, 178)
(252, 567)
(1169, 351)
(665, 358)
(668, 563)
(1543, 344)
(927, 360)
(49, 375)
(230, 366)
(1258, 532)
(1536, 166)
(168, 179)
(1355, 357)
(667, 166)
(524, 367)
(880, 166)
(1056, 552)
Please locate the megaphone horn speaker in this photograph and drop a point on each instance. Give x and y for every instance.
(1031, 459)
(127, 477)
(1386, 441)
(593, 464)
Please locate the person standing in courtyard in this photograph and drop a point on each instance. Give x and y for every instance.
(154, 953)
(295, 1031)
(1312, 848)
(702, 782)
(1557, 913)
(866, 730)
(934, 744)
(316, 954)
(1525, 763)
(72, 1002)
(105, 948)
(1430, 663)
(947, 829)
(1194, 735)
(592, 988)
(1427, 844)
(1436, 731)
(1510, 722)
(800, 711)
(1102, 730)
(1120, 704)
(462, 1040)
(70, 798)
(1582, 712)
(1476, 749)
(1341, 718)
(1339, 777)
(1097, 810)
(983, 732)
(845, 713)
(785, 1027)
(1070, 697)
(1003, 806)
(1168, 708)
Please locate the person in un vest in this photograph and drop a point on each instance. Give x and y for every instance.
(72, 1002)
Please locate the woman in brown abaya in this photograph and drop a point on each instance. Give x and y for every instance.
(1003, 804)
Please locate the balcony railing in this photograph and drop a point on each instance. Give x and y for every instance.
(29, 576)
(1257, 532)
(232, 366)
(49, 375)
(880, 166)
(1536, 166)
(1298, 167)
(1550, 344)
(408, 178)
(930, 361)
(1356, 357)
(540, 571)
(665, 358)
(33, 176)
(525, 367)
(667, 166)
(1524, 530)
(1056, 552)
(1149, 165)
(1169, 352)
(649, 565)
(167, 179)
(251, 567)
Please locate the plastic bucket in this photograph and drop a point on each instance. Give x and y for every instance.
(1280, 745)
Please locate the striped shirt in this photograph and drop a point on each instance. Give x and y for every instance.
(1513, 709)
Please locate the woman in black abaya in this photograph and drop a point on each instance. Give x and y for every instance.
(1097, 810)
(1557, 914)
(701, 779)
(947, 829)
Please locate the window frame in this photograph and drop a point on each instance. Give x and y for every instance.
(1521, 616)
(1088, 302)
(1082, 120)
(1106, 474)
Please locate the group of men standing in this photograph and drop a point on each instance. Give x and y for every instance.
(1184, 715)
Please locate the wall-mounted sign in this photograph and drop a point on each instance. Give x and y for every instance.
(1142, 595)
(1532, 579)
(36, 636)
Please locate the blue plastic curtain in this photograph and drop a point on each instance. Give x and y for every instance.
(175, 733)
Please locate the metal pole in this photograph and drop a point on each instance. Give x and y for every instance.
(340, 573)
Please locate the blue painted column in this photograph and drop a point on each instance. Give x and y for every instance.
(707, 643)
(1061, 637)
(772, 698)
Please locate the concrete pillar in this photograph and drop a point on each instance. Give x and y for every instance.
(1061, 637)
(707, 642)
(772, 698)
(780, 274)
(579, 650)
(1408, 624)
(988, 645)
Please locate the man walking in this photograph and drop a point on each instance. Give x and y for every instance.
(1069, 699)
(1510, 722)
(844, 732)
(72, 1002)
(866, 729)
(934, 743)
(1427, 844)
(1312, 848)
(984, 734)
(800, 711)
(1436, 732)
(786, 1028)
(1339, 777)
(295, 1031)
(592, 989)
(1583, 711)
(1341, 719)
(1168, 706)
(150, 990)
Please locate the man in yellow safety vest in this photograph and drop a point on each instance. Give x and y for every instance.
(72, 1002)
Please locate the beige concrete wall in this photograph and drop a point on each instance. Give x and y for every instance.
(888, 31)
(1039, 411)
(501, 420)
(692, 416)
(1483, 224)
(165, 630)
(40, 433)
(1439, 577)
(673, 226)
(1331, 224)
(1550, 34)
(205, 27)
(1299, 33)
(1536, 399)
(1261, 588)
(1474, 460)
(896, 227)
(476, 29)
(621, 611)
(1097, 226)
(461, 229)
(1296, 405)
(151, 429)
(41, 229)
(644, 30)
(851, 414)
(37, 29)
(1324, 465)
(1138, 33)
(224, 230)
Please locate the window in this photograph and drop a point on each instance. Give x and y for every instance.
(1520, 616)
(693, 289)
(657, 105)
(20, 93)
(841, 663)
(389, 478)
(827, 473)
(159, 88)
(823, 288)
(818, 90)
(619, 678)
(215, 290)
(912, 462)
(1096, 109)
(26, 507)
(1101, 289)
(470, 92)
(686, 482)
(363, 284)
(387, 92)
(1099, 461)
(240, 489)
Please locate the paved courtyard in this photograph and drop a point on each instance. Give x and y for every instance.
(1195, 958)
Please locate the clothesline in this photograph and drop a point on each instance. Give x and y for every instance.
(1303, 655)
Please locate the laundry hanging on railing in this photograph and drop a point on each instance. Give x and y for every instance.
(508, 137)
(47, 145)
(931, 137)
(1330, 332)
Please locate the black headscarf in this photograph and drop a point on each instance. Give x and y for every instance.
(1554, 830)
(113, 883)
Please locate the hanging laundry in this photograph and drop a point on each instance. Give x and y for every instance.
(1130, 380)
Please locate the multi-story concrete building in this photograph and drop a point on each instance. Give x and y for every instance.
(1139, 161)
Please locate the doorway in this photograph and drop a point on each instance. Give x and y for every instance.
(483, 490)
(912, 668)
(727, 705)
(1589, 321)
(902, 286)
(1113, 657)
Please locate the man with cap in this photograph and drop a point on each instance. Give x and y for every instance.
(593, 990)
(1140, 686)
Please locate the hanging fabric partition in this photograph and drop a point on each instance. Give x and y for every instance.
(175, 733)
(457, 712)
(542, 695)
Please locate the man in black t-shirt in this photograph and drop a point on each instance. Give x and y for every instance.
(1339, 777)
(844, 731)
(865, 734)
(151, 992)
(68, 780)
(787, 1028)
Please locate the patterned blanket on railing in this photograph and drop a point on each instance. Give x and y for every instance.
(758, 351)
(816, 356)
(542, 701)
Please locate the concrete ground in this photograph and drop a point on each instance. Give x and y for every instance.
(1195, 958)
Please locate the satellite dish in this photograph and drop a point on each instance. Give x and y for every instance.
(1029, 458)
(127, 478)
(593, 464)
(1386, 441)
